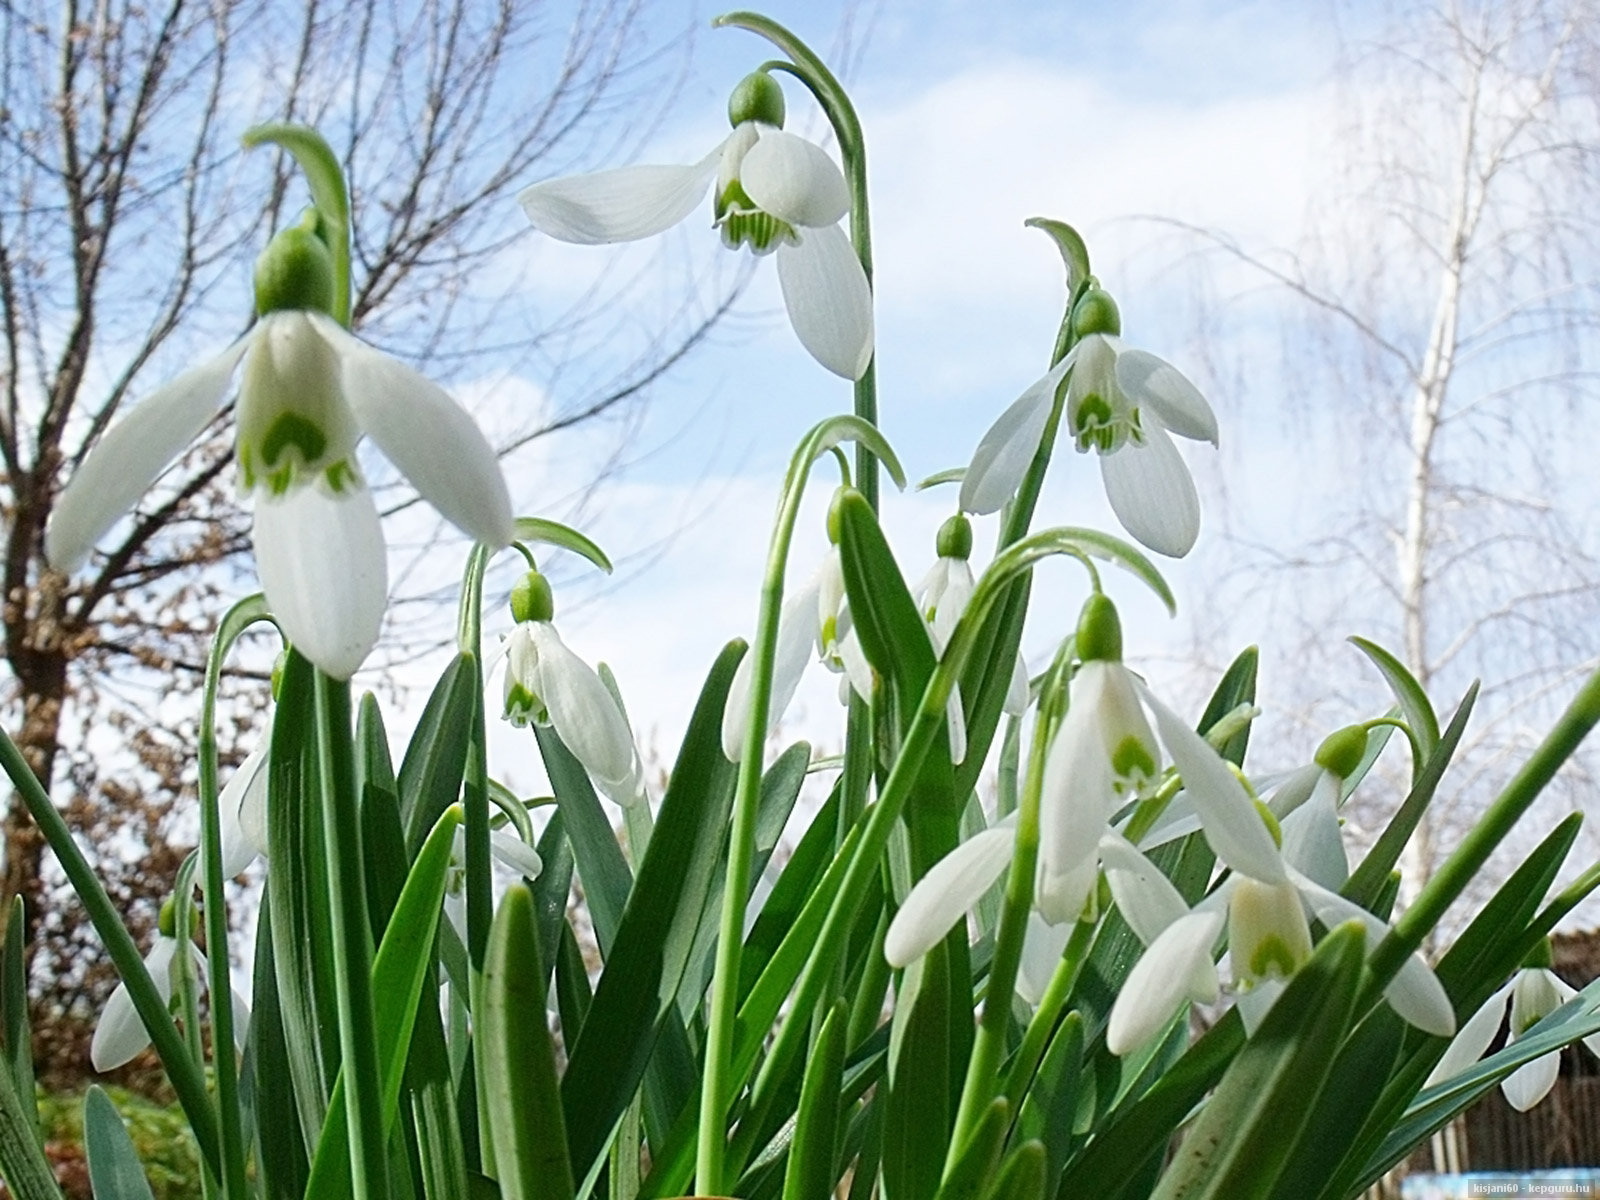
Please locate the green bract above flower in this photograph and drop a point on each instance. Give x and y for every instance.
(1121, 403)
(309, 392)
(775, 192)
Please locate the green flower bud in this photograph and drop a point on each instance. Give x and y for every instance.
(1096, 312)
(757, 98)
(531, 599)
(1099, 630)
(1341, 752)
(1540, 957)
(955, 538)
(295, 271)
(167, 921)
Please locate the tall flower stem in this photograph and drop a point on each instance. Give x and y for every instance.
(352, 940)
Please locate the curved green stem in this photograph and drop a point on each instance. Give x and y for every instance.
(328, 192)
(1047, 1017)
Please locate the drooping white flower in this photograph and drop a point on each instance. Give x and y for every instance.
(120, 1035)
(242, 807)
(548, 684)
(775, 192)
(1533, 994)
(505, 847)
(1123, 404)
(309, 392)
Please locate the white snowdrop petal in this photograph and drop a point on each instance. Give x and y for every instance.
(621, 205)
(120, 1035)
(1469, 1044)
(323, 568)
(796, 633)
(942, 897)
(427, 435)
(1257, 1002)
(828, 298)
(242, 807)
(1042, 947)
(1075, 800)
(1151, 382)
(1002, 457)
(1176, 968)
(1017, 691)
(1152, 493)
(584, 713)
(1314, 845)
(1232, 825)
(1531, 1082)
(794, 180)
(515, 853)
(131, 456)
(1147, 898)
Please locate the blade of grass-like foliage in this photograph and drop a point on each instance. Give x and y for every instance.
(115, 1172)
(14, 1010)
(650, 952)
(917, 1122)
(554, 885)
(600, 861)
(1237, 686)
(810, 1171)
(1051, 1103)
(1234, 1149)
(974, 1169)
(1368, 878)
(282, 1158)
(436, 757)
(521, 1094)
(398, 972)
(22, 1162)
(1021, 1176)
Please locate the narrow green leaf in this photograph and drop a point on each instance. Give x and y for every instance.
(436, 758)
(282, 1159)
(573, 993)
(17, 1029)
(1022, 1175)
(398, 972)
(1413, 701)
(1074, 253)
(1237, 1145)
(810, 1173)
(637, 993)
(553, 887)
(1369, 877)
(601, 863)
(893, 634)
(1237, 686)
(917, 1123)
(1052, 1102)
(554, 533)
(383, 836)
(115, 1172)
(22, 1162)
(974, 1170)
(521, 1094)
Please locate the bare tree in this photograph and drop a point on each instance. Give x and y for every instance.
(1451, 289)
(128, 223)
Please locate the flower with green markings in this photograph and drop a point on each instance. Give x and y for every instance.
(1121, 403)
(547, 684)
(775, 193)
(308, 394)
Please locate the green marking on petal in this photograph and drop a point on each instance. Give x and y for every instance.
(296, 430)
(279, 481)
(342, 477)
(522, 706)
(1132, 760)
(1272, 957)
(743, 224)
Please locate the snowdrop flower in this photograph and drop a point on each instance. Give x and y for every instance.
(1533, 994)
(309, 392)
(548, 684)
(1122, 403)
(775, 192)
(120, 1035)
(242, 807)
(1104, 754)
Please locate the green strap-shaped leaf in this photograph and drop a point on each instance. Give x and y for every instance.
(398, 972)
(14, 1010)
(436, 758)
(1369, 877)
(650, 953)
(521, 1097)
(1237, 686)
(810, 1173)
(1237, 1145)
(1052, 1102)
(281, 1157)
(1413, 701)
(1022, 1175)
(974, 1170)
(115, 1172)
(22, 1160)
(917, 1123)
(893, 634)
(601, 864)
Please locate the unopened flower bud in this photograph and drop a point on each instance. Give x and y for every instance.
(1341, 752)
(955, 538)
(757, 97)
(531, 599)
(295, 271)
(1096, 312)
(1099, 630)
(167, 921)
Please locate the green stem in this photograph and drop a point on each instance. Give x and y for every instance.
(188, 1081)
(186, 989)
(988, 1047)
(352, 945)
(1047, 1017)
(1452, 878)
